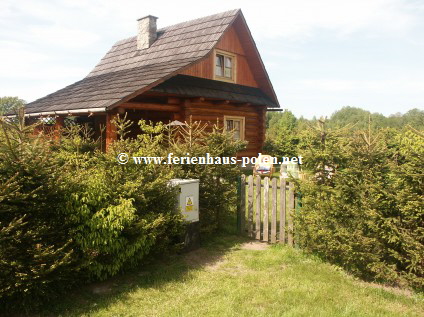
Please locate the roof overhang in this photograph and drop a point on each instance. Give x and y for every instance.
(189, 86)
(63, 112)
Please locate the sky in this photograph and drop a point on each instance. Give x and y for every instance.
(320, 55)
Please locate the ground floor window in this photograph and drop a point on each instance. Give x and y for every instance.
(235, 124)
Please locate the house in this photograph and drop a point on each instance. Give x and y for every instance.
(206, 69)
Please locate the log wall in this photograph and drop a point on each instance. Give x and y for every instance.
(209, 113)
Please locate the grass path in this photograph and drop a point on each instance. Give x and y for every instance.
(229, 277)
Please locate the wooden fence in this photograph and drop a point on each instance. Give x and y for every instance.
(266, 209)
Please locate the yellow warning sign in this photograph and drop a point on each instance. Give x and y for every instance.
(189, 203)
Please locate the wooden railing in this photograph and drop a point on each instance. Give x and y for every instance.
(266, 208)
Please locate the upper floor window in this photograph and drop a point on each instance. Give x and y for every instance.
(224, 66)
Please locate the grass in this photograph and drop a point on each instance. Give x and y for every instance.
(224, 278)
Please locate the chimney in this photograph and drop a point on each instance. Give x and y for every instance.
(146, 32)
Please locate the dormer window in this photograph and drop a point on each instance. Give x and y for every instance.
(224, 66)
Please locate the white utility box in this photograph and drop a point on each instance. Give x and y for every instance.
(188, 198)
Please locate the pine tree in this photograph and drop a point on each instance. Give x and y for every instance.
(35, 250)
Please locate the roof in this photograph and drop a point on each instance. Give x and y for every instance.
(194, 86)
(125, 71)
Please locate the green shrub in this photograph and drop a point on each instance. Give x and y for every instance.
(120, 212)
(217, 188)
(367, 215)
(70, 213)
(37, 257)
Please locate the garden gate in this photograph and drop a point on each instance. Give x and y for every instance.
(265, 209)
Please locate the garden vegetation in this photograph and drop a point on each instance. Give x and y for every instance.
(362, 197)
(69, 213)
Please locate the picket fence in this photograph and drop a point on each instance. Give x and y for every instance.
(266, 208)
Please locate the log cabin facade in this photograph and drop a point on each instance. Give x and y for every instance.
(206, 69)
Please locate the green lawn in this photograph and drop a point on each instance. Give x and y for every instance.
(229, 278)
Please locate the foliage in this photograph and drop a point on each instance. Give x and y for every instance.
(69, 214)
(285, 132)
(192, 140)
(37, 257)
(360, 117)
(281, 136)
(10, 105)
(367, 215)
(121, 212)
(217, 190)
(322, 149)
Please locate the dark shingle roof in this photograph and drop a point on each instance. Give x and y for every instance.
(194, 86)
(104, 90)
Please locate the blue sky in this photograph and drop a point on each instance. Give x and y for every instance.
(321, 55)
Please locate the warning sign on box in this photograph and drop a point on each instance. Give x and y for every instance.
(189, 203)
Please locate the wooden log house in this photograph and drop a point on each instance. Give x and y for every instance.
(206, 69)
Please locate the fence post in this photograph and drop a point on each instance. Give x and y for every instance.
(266, 209)
(243, 204)
(238, 205)
(258, 207)
(274, 211)
(282, 210)
(250, 205)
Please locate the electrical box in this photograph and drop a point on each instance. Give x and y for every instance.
(188, 198)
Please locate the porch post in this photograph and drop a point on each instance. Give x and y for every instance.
(58, 126)
(110, 129)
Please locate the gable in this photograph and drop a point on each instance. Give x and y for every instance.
(229, 42)
(250, 70)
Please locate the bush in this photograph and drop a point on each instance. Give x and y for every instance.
(367, 215)
(217, 189)
(121, 213)
(71, 214)
(37, 256)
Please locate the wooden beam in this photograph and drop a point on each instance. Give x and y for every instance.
(186, 104)
(198, 99)
(111, 135)
(174, 100)
(150, 106)
(224, 102)
(261, 128)
(58, 126)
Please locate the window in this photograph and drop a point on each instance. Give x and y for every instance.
(224, 66)
(235, 124)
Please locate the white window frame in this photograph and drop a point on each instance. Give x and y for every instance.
(233, 66)
(242, 121)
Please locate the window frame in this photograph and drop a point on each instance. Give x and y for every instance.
(233, 58)
(242, 121)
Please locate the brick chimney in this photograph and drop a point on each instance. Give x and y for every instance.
(146, 32)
